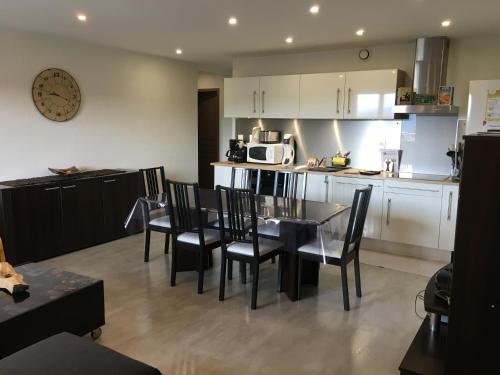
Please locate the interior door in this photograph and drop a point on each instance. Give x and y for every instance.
(208, 135)
(322, 96)
(280, 96)
(82, 214)
(370, 94)
(241, 97)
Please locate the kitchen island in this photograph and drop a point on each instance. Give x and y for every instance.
(408, 215)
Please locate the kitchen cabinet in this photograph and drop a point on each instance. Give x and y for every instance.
(412, 213)
(43, 220)
(318, 187)
(119, 194)
(82, 220)
(449, 207)
(343, 189)
(322, 96)
(242, 97)
(280, 96)
(371, 94)
(222, 176)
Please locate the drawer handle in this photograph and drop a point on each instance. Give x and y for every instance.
(108, 181)
(450, 201)
(414, 189)
(388, 219)
(69, 187)
(52, 188)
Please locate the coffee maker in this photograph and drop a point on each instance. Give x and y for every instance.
(237, 151)
(288, 149)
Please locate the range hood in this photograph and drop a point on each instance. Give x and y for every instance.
(431, 61)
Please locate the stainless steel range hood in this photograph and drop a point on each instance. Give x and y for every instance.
(431, 61)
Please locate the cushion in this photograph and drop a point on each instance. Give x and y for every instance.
(67, 354)
(211, 236)
(333, 248)
(163, 221)
(265, 246)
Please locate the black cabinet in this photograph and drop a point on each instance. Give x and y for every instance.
(119, 194)
(82, 219)
(50, 219)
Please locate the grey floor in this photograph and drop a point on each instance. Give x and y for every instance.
(181, 332)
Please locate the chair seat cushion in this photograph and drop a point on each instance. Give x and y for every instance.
(193, 238)
(243, 248)
(163, 221)
(67, 354)
(333, 248)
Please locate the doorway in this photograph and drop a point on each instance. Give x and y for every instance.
(208, 135)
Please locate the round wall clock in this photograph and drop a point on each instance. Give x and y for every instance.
(56, 94)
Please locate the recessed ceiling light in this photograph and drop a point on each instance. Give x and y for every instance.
(446, 23)
(314, 9)
(178, 51)
(232, 21)
(81, 17)
(289, 40)
(360, 32)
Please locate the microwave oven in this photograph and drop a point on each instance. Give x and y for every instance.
(266, 153)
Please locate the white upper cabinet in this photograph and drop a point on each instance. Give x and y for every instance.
(322, 96)
(371, 94)
(279, 96)
(242, 97)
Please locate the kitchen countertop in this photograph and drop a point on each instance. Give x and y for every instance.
(352, 172)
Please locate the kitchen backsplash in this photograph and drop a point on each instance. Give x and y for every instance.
(424, 140)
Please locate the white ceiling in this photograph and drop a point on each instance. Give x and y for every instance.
(200, 27)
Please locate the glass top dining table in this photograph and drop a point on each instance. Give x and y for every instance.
(267, 208)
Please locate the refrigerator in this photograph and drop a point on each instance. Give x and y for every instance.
(483, 112)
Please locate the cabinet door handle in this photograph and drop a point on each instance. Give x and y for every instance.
(52, 188)
(326, 188)
(388, 219)
(254, 101)
(69, 187)
(108, 181)
(263, 101)
(450, 202)
(349, 101)
(338, 98)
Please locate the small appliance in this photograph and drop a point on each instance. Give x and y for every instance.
(265, 153)
(237, 151)
(269, 136)
(288, 150)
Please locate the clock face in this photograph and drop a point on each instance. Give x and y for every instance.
(56, 95)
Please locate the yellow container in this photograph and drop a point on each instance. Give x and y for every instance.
(340, 161)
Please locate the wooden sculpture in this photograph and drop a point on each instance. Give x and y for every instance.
(9, 278)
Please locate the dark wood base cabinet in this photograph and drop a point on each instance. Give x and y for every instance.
(44, 220)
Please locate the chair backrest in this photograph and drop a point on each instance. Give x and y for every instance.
(357, 219)
(154, 180)
(183, 201)
(238, 205)
(290, 184)
(246, 177)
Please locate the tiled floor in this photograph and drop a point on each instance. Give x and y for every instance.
(181, 332)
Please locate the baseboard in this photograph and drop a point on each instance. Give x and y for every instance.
(418, 252)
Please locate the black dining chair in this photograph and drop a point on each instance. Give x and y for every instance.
(156, 219)
(341, 253)
(187, 220)
(236, 243)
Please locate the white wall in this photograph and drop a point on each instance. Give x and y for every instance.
(137, 110)
(214, 81)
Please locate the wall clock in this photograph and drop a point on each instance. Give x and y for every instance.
(56, 94)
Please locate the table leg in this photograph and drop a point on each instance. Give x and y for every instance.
(293, 236)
